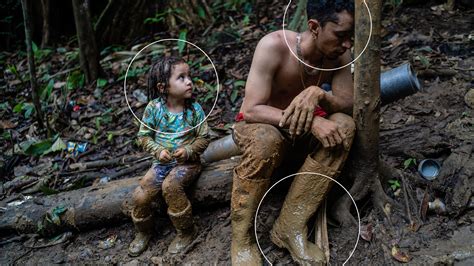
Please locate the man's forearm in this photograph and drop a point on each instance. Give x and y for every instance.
(263, 114)
(333, 104)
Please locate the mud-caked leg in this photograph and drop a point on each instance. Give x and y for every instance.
(143, 197)
(305, 195)
(179, 206)
(262, 147)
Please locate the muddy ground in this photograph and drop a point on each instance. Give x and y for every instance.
(436, 123)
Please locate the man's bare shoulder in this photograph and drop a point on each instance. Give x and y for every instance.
(274, 42)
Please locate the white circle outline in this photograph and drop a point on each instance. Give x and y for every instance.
(326, 69)
(125, 87)
(305, 173)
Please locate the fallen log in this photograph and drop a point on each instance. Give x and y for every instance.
(105, 204)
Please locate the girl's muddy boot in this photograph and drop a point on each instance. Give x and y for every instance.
(306, 193)
(185, 229)
(246, 194)
(144, 227)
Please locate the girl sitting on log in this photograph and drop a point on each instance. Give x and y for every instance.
(175, 132)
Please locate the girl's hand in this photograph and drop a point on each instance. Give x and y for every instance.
(165, 156)
(181, 155)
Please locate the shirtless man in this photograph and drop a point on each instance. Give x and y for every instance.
(282, 117)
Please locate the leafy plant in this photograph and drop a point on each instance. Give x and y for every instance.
(235, 91)
(101, 83)
(75, 80)
(394, 184)
(46, 91)
(182, 43)
(409, 162)
(26, 108)
(39, 54)
(4, 106)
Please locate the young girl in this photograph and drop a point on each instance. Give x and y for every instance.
(176, 148)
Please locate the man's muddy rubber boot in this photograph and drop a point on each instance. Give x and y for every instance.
(246, 194)
(306, 193)
(144, 227)
(185, 229)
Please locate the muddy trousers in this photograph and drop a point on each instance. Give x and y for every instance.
(264, 147)
(179, 206)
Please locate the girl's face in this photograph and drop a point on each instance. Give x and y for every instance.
(180, 83)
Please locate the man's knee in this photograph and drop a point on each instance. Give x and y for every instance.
(263, 142)
(345, 122)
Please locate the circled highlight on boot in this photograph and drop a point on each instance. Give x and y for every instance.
(315, 176)
(154, 53)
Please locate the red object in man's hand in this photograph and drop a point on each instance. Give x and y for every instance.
(319, 112)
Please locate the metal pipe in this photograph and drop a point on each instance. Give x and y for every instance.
(398, 83)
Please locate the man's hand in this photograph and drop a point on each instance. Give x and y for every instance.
(329, 133)
(299, 114)
(165, 156)
(181, 155)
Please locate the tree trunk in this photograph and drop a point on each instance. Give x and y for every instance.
(95, 206)
(31, 63)
(88, 53)
(366, 112)
(123, 20)
(45, 11)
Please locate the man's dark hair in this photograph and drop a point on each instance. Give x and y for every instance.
(325, 10)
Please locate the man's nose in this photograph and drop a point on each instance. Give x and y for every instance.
(347, 44)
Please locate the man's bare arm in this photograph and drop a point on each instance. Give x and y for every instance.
(342, 96)
(266, 60)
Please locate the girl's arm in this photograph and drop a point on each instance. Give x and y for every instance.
(201, 141)
(146, 135)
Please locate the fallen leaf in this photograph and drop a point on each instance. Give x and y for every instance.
(366, 232)
(7, 124)
(400, 256)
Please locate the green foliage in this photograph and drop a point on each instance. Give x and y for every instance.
(209, 94)
(425, 61)
(72, 55)
(47, 190)
(75, 80)
(110, 49)
(13, 70)
(133, 72)
(182, 38)
(26, 108)
(101, 83)
(394, 184)
(201, 12)
(4, 106)
(409, 162)
(46, 91)
(39, 54)
(159, 17)
(6, 135)
(235, 91)
(42, 147)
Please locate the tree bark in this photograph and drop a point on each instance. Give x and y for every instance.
(88, 53)
(46, 31)
(95, 206)
(122, 20)
(365, 151)
(31, 63)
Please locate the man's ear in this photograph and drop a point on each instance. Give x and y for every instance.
(314, 26)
